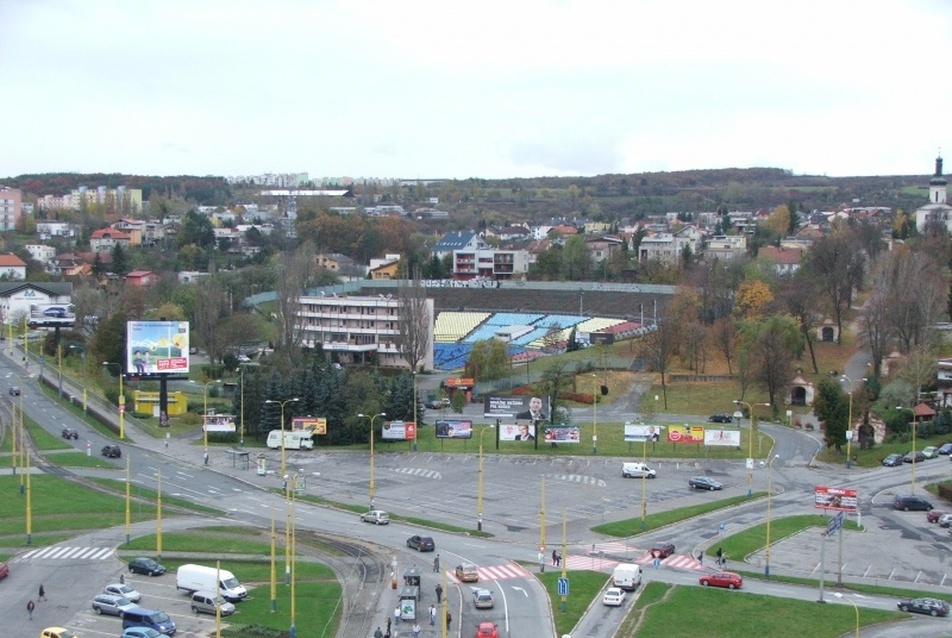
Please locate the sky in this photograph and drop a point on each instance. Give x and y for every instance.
(490, 89)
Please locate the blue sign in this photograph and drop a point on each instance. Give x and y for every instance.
(834, 523)
(563, 586)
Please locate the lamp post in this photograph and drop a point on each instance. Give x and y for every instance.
(644, 481)
(19, 434)
(205, 415)
(372, 418)
(82, 351)
(849, 424)
(750, 444)
(24, 467)
(122, 399)
(282, 404)
(914, 425)
(479, 491)
(595, 415)
(769, 492)
(241, 415)
(416, 426)
(855, 607)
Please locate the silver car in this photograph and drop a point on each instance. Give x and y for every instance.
(123, 590)
(112, 604)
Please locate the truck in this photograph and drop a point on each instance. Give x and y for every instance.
(627, 576)
(193, 578)
(293, 440)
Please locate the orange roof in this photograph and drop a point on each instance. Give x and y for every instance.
(8, 260)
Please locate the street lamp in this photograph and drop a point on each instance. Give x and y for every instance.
(769, 492)
(82, 351)
(282, 404)
(595, 415)
(750, 444)
(849, 424)
(122, 399)
(205, 411)
(855, 607)
(372, 418)
(479, 495)
(644, 480)
(914, 425)
(19, 433)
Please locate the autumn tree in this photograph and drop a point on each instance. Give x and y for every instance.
(293, 277)
(778, 222)
(768, 349)
(415, 324)
(487, 361)
(839, 270)
(753, 299)
(800, 297)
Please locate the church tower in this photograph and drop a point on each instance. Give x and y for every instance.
(937, 190)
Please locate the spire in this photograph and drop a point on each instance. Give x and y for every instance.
(938, 164)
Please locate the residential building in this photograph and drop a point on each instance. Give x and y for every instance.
(603, 248)
(48, 229)
(12, 268)
(11, 202)
(359, 329)
(786, 261)
(105, 239)
(142, 278)
(41, 253)
(458, 241)
(489, 263)
(725, 247)
(17, 297)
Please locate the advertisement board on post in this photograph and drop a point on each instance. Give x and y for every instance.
(453, 429)
(157, 347)
(219, 423)
(317, 425)
(726, 438)
(641, 433)
(834, 498)
(685, 434)
(527, 407)
(398, 431)
(563, 434)
(517, 432)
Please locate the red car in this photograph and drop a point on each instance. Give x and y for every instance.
(933, 515)
(487, 630)
(662, 550)
(4, 570)
(730, 580)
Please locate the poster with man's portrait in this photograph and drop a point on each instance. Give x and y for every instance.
(522, 431)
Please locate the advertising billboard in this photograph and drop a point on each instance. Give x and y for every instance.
(685, 434)
(399, 431)
(317, 425)
(563, 434)
(834, 498)
(642, 433)
(219, 423)
(156, 347)
(525, 431)
(526, 407)
(49, 315)
(725, 438)
(453, 429)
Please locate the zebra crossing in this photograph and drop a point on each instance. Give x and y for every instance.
(66, 552)
(496, 572)
(604, 557)
(417, 471)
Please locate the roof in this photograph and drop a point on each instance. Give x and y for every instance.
(8, 260)
(140, 273)
(54, 288)
(780, 255)
(110, 233)
(454, 241)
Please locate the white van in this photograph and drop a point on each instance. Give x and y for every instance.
(193, 578)
(636, 470)
(293, 440)
(627, 576)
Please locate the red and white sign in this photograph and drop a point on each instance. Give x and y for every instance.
(834, 498)
(685, 434)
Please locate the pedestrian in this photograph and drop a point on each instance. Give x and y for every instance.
(436, 563)
(29, 608)
(122, 579)
(439, 593)
(558, 559)
(378, 633)
(432, 615)
(389, 620)
(541, 562)
(720, 556)
(416, 630)
(555, 558)
(205, 456)
(449, 620)
(396, 615)
(42, 595)
(167, 437)
(700, 557)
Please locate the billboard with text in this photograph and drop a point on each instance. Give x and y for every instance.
(834, 498)
(156, 347)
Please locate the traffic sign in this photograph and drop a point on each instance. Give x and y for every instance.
(563, 586)
(834, 523)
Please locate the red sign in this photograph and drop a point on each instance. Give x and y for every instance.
(411, 431)
(685, 434)
(834, 498)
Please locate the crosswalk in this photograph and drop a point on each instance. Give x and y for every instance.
(497, 572)
(65, 552)
(604, 557)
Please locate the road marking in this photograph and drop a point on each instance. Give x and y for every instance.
(66, 552)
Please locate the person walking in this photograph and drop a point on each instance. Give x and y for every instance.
(432, 614)
(396, 615)
(378, 633)
(555, 558)
(205, 457)
(449, 620)
(30, 606)
(439, 593)
(720, 556)
(389, 620)
(122, 579)
(42, 595)
(416, 630)
(436, 563)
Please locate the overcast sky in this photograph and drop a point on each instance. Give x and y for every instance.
(487, 88)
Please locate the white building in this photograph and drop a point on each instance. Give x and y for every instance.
(937, 210)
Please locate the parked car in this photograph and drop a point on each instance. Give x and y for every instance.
(487, 630)
(730, 580)
(70, 433)
(945, 448)
(893, 460)
(4, 570)
(111, 604)
(146, 566)
(911, 502)
(931, 606)
(142, 632)
(438, 404)
(467, 573)
(121, 589)
(111, 451)
(57, 632)
(483, 599)
(705, 483)
(377, 517)
(204, 602)
(917, 455)
(662, 550)
(614, 597)
(945, 520)
(421, 543)
(721, 417)
(932, 516)
(15, 391)
(930, 451)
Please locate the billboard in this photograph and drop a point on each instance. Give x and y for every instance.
(219, 423)
(527, 407)
(317, 425)
(642, 433)
(156, 347)
(398, 431)
(525, 431)
(685, 434)
(563, 434)
(453, 429)
(49, 315)
(834, 498)
(726, 438)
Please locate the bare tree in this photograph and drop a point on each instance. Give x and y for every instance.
(292, 281)
(724, 338)
(915, 288)
(659, 347)
(839, 268)
(210, 307)
(769, 348)
(415, 325)
(800, 296)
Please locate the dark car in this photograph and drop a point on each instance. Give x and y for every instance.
(111, 451)
(931, 606)
(145, 566)
(15, 391)
(906, 503)
(917, 455)
(730, 580)
(662, 550)
(721, 417)
(421, 543)
(945, 448)
(704, 483)
(70, 433)
(893, 460)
